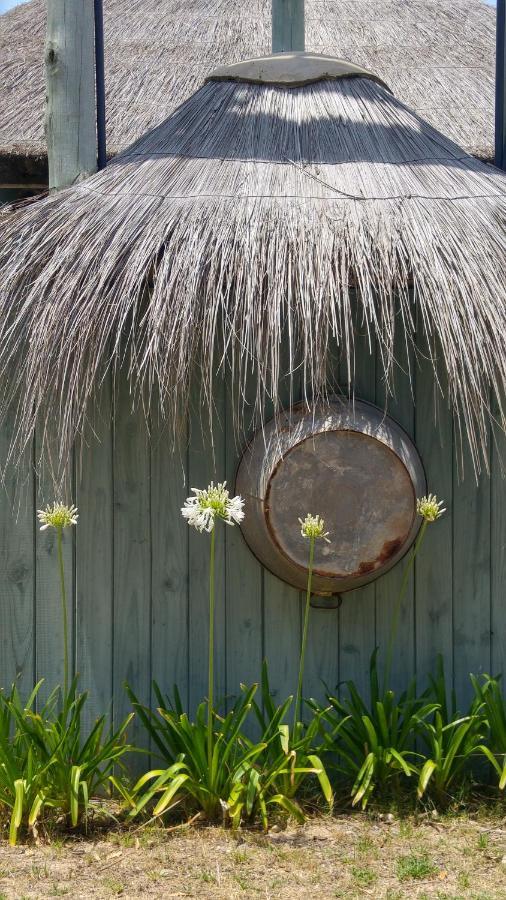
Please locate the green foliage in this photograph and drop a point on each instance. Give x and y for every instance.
(373, 741)
(490, 695)
(363, 876)
(291, 753)
(228, 786)
(451, 740)
(246, 778)
(47, 763)
(22, 780)
(415, 866)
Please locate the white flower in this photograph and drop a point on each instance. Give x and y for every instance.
(202, 510)
(430, 508)
(314, 527)
(57, 516)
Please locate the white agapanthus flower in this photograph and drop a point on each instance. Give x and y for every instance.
(202, 510)
(314, 527)
(59, 515)
(430, 508)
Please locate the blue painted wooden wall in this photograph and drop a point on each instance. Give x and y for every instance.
(139, 576)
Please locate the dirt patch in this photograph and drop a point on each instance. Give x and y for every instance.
(350, 856)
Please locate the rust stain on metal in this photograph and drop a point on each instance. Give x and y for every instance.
(388, 550)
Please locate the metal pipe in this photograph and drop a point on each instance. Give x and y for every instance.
(500, 86)
(100, 83)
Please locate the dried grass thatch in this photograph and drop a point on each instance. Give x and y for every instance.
(252, 212)
(436, 55)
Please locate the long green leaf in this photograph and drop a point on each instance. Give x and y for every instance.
(322, 778)
(17, 811)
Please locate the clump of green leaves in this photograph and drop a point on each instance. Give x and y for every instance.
(211, 763)
(47, 763)
(188, 778)
(291, 761)
(373, 740)
(491, 697)
(22, 780)
(246, 778)
(451, 740)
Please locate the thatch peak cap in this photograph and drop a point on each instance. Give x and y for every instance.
(293, 69)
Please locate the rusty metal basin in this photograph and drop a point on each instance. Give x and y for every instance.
(350, 464)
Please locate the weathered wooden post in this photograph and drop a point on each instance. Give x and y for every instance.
(70, 92)
(287, 25)
(500, 86)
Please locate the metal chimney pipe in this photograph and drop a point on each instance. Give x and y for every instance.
(500, 86)
(287, 25)
(100, 83)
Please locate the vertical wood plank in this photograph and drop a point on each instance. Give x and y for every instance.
(434, 563)
(132, 560)
(206, 464)
(357, 617)
(48, 615)
(471, 577)
(401, 408)
(498, 555)
(282, 607)
(322, 655)
(243, 582)
(169, 560)
(17, 573)
(282, 635)
(94, 560)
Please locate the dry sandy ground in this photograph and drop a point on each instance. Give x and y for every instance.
(351, 856)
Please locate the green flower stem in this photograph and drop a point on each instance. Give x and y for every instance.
(400, 598)
(59, 543)
(210, 689)
(298, 696)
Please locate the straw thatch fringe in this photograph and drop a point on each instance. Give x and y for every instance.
(253, 213)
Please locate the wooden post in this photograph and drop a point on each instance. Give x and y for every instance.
(287, 25)
(500, 86)
(70, 92)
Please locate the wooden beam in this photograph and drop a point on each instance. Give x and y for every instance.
(287, 25)
(500, 86)
(70, 87)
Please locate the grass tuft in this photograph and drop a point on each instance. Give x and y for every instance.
(415, 866)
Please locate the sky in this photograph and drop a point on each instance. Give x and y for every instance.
(7, 4)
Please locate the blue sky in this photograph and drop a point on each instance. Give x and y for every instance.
(6, 4)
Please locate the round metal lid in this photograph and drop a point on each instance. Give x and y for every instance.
(350, 464)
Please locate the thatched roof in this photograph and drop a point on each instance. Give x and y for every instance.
(254, 211)
(437, 56)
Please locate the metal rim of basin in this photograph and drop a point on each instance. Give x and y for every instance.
(358, 466)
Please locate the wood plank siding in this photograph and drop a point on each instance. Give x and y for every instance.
(138, 577)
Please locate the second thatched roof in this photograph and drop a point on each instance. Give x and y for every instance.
(257, 211)
(437, 56)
